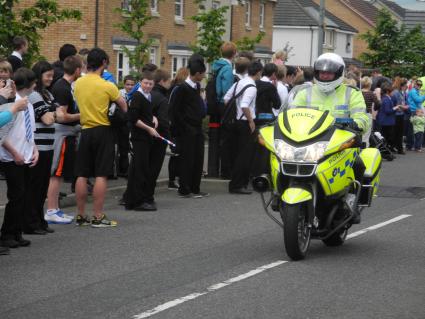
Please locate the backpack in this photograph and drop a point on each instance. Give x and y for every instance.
(213, 107)
(229, 115)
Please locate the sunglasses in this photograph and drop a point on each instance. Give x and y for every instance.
(419, 84)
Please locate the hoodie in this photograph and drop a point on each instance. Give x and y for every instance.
(224, 79)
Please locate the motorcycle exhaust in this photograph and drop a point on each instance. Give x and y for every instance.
(261, 184)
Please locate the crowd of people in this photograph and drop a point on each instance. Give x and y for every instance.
(68, 121)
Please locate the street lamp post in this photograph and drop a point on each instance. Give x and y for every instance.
(321, 28)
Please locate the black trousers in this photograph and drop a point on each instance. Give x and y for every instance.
(37, 192)
(145, 166)
(191, 161)
(388, 133)
(173, 167)
(261, 157)
(17, 180)
(399, 132)
(227, 150)
(122, 139)
(245, 141)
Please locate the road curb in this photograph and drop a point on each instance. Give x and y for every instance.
(70, 201)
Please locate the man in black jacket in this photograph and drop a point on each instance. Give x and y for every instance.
(187, 112)
(20, 46)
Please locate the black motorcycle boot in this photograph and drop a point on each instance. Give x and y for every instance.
(356, 218)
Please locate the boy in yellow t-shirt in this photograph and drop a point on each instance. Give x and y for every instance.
(95, 157)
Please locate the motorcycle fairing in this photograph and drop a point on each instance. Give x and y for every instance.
(267, 136)
(274, 169)
(372, 160)
(338, 138)
(301, 124)
(295, 195)
(335, 173)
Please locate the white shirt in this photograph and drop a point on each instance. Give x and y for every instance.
(146, 95)
(17, 54)
(191, 83)
(247, 100)
(123, 93)
(282, 90)
(241, 76)
(266, 79)
(17, 137)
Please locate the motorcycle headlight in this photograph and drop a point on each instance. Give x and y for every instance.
(310, 153)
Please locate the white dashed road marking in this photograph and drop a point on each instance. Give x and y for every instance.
(251, 273)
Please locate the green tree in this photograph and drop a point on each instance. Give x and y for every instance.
(248, 44)
(393, 49)
(29, 22)
(211, 28)
(136, 16)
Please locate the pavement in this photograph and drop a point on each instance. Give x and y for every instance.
(221, 257)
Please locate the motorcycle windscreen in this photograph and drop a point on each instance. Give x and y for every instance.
(302, 124)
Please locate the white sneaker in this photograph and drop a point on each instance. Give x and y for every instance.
(57, 218)
(71, 217)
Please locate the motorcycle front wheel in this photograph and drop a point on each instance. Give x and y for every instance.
(296, 230)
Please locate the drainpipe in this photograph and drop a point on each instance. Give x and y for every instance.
(231, 22)
(321, 27)
(311, 45)
(96, 24)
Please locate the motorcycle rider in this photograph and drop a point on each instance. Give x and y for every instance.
(330, 93)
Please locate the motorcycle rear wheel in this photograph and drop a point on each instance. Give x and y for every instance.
(296, 230)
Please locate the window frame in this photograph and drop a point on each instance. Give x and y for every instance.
(153, 55)
(215, 5)
(262, 15)
(248, 13)
(154, 7)
(180, 3)
(178, 61)
(126, 5)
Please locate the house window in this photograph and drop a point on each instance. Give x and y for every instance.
(248, 13)
(154, 6)
(126, 5)
(348, 44)
(262, 14)
(178, 14)
(215, 5)
(153, 53)
(123, 66)
(178, 61)
(329, 39)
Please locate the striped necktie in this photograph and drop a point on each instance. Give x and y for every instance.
(28, 131)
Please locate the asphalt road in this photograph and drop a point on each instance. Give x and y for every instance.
(221, 257)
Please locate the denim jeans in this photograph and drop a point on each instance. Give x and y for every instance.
(418, 140)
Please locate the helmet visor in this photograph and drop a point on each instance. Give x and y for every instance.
(328, 66)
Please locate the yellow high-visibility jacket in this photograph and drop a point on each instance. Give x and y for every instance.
(344, 102)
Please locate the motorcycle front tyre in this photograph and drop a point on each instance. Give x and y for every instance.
(296, 230)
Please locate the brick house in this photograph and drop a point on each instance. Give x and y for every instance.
(171, 29)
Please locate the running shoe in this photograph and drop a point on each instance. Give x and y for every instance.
(58, 218)
(82, 221)
(65, 214)
(103, 222)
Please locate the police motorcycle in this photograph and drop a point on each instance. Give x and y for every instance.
(320, 177)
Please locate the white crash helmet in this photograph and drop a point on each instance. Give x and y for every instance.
(329, 62)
